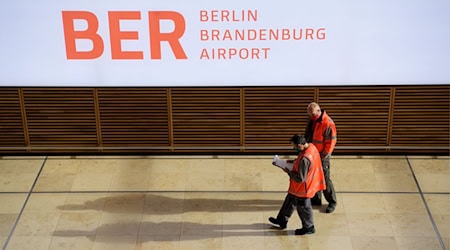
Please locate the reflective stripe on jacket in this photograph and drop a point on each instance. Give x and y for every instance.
(324, 136)
(314, 181)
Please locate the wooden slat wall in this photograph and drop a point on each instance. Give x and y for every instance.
(11, 126)
(421, 117)
(205, 117)
(360, 114)
(59, 118)
(273, 115)
(133, 118)
(377, 119)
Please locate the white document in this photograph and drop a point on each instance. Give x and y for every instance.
(282, 163)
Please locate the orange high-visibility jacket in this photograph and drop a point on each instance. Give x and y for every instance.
(314, 181)
(325, 136)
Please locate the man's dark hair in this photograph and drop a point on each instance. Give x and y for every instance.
(298, 139)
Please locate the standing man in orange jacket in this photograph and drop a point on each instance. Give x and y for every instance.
(305, 180)
(321, 131)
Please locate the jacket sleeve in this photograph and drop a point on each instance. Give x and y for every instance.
(303, 169)
(329, 141)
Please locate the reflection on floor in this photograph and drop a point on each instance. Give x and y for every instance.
(220, 202)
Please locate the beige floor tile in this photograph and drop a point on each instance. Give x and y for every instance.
(274, 179)
(369, 225)
(251, 202)
(160, 242)
(80, 202)
(115, 242)
(29, 242)
(200, 242)
(166, 178)
(98, 166)
(206, 165)
(430, 166)
(78, 224)
(202, 176)
(17, 182)
(12, 203)
(399, 182)
(438, 203)
(45, 203)
(418, 243)
(363, 203)
(119, 224)
(246, 165)
(61, 166)
(37, 224)
(329, 242)
(355, 182)
(160, 225)
(334, 224)
(434, 182)
(244, 224)
(131, 175)
(204, 223)
(433, 175)
(164, 203)
(56, 182)
(374, 243)
(203, 202)
(7, 223)
(24, 165)
(404, 204)
(125, 203)
(209, 217)
(391, 166)
(353, 166)
(411, 225)
(71, 242)
(130, 182)
(443, 224)
(3, 240)
(92, 182)
(380, 157)
(282, 241)
(241, 181)
(243, 241)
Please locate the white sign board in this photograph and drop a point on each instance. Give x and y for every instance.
(224, 43)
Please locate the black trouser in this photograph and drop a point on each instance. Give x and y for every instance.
(304, 210)
(329, 193)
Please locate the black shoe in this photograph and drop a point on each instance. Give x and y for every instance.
(330, 208)
(282, 225)
(303, 231)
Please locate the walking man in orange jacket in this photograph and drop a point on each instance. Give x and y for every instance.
(305, 180)
(321, 131)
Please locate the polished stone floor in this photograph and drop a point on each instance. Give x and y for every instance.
(217, 202)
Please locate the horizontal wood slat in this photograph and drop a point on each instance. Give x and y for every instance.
(273, 115)
(206, 117)
(369, 119)
(360, 114)
(421, 116)
(133, 117)
(11, 126)
(61, 117)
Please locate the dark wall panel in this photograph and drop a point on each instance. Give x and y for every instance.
(12, 131)
(132, 119)
(369, 119)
